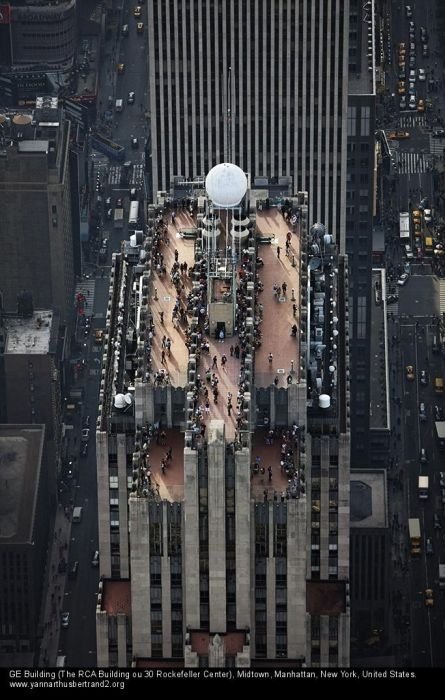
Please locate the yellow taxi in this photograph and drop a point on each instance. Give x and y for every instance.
(401, 87)
(416, 216)
(429, 600)
(140, 27)
(421, 106)
(137, 11)
(410, 373)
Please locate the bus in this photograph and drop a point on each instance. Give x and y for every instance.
(404, 225)
(134, 213)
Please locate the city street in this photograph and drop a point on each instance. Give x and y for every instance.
(412, 326)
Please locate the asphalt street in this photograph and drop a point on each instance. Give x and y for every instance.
(418, 629)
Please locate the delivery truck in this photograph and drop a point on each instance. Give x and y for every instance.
(414, 536)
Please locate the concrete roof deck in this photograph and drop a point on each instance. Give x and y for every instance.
(116, 597)
(29, 336)
(171, 484)
(21, 448)
(270, 455)
(278, 317)
(176, 364)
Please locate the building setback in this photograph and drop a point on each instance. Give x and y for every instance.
(264, 84)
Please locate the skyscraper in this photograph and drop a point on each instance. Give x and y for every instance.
(223, 436)
(264, 84)
(36, 236)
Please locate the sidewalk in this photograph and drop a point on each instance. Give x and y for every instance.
(55, 588)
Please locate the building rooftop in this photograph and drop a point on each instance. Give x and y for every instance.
(116, 597)
(29, 336)
(364, 42)
(379, 388)
(369, 506)
(21, 449)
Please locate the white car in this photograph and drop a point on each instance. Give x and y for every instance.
(408, 10)
(427, 215)
(412, 102)
(412, 74)
(65, 618)
(403, 279)
(422, 74)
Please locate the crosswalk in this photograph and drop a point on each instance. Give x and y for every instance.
(441, 296)
(412, 120)
(87, 288)
(437, 146)
(409, 163)
(117, 178)
(393, 308)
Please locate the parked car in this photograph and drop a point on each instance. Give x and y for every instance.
(423, 377)
(65, 618)
(429, 546)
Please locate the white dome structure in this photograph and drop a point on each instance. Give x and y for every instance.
(120, 401)
(324, 400)
(226, 185)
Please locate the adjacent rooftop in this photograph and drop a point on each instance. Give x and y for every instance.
(29, 336)
(21, 448)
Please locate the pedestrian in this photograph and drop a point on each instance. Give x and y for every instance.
(232, 350)
(221, 336)
(161, 317)
(223, 359)
(215, 362)
(163, 357)
(168, 345)
(284, 288)
(278, 251)
(269, 469)
(270, 358)
(294, 309)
